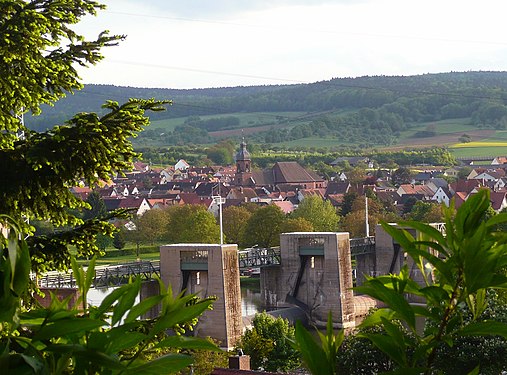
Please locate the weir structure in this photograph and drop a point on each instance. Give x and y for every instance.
(312, 270)
(315, 274)
(207, 270)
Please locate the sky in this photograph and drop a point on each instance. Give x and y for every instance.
(188, 44)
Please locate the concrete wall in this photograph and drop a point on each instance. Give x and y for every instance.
(326, 279)
(150, 288)
(60, 293)
(221, 279)
(385, 253)
(365, 266)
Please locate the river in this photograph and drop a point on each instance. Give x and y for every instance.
(251, 302)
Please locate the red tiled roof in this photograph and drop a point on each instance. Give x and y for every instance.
(497, 198)
(193, 198)
(230, 371)
(416, 189)
(293, 172)
(465, 185)
(286, 206)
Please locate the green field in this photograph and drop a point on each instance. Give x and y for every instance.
(479, 150)
(499, 135)
(314, 142)
(491, 146)
(441, 127)
(247, 120)
(130, 257)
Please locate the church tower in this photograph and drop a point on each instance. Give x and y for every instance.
(243, 166)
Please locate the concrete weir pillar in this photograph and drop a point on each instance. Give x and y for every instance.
(207, 270)
(317, 275)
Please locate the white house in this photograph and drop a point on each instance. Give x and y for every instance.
(499, 160)
(442, 195)
(489, 176)
(166, 175)
(181, 165)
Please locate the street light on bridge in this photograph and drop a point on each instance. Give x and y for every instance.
(217, 199)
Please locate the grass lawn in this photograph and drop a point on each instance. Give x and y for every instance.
(479, 150)
(315, 142)
(128, 257)
(441, 127)
(246, 120)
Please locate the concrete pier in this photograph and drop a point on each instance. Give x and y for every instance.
(207, 270)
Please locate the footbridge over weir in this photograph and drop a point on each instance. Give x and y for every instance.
(311, 270)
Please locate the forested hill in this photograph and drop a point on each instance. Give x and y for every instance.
(394, 101)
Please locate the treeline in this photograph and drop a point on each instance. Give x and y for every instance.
(365, 112)
(264, 155)
(478, 95)
(193, 130)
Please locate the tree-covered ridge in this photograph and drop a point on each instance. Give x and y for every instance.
(365, 110)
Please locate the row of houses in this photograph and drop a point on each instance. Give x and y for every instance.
(285, 184)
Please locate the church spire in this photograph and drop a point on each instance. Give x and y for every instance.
(243, 164)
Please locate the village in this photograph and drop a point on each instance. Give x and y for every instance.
(286, 184)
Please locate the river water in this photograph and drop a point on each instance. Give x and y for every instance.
(251, 302)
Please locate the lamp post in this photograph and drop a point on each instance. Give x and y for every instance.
(366, 216)
(217, 199)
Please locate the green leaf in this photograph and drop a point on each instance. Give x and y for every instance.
(485, 328)
(142, 307)
(377, 316)
(475, 371)
(396, 333)
(391, 298)
(497, 219)
(477, 303)
(429, 231)
(90, 273)
(98, 358)
(181, 315)
(77, 272)
(110, 299)
(65, 327)
(126, 301)
(435, 294)
(184, 342)
(388, 345)
(125, 341)
(312, 355)
(19, 256)
(169, 363)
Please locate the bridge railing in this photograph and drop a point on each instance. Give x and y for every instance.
(113, 275)
(363, 245)
(258, 257)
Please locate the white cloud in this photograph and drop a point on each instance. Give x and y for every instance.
(191, 44)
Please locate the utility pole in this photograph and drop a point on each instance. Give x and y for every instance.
(366, 216)
(219, 200)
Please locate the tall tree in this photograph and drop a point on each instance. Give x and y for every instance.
(234, 222)
(38, 53)
(191, 223)
(38, 50)
(426, 212)
(153, 224)
(97, 206)
(402, 176)
(269, 344)
(320, 213)
(297, 224)
(263, 227)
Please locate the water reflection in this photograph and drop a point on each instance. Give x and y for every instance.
(251, 302)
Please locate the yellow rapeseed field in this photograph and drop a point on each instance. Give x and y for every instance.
(479, 144)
